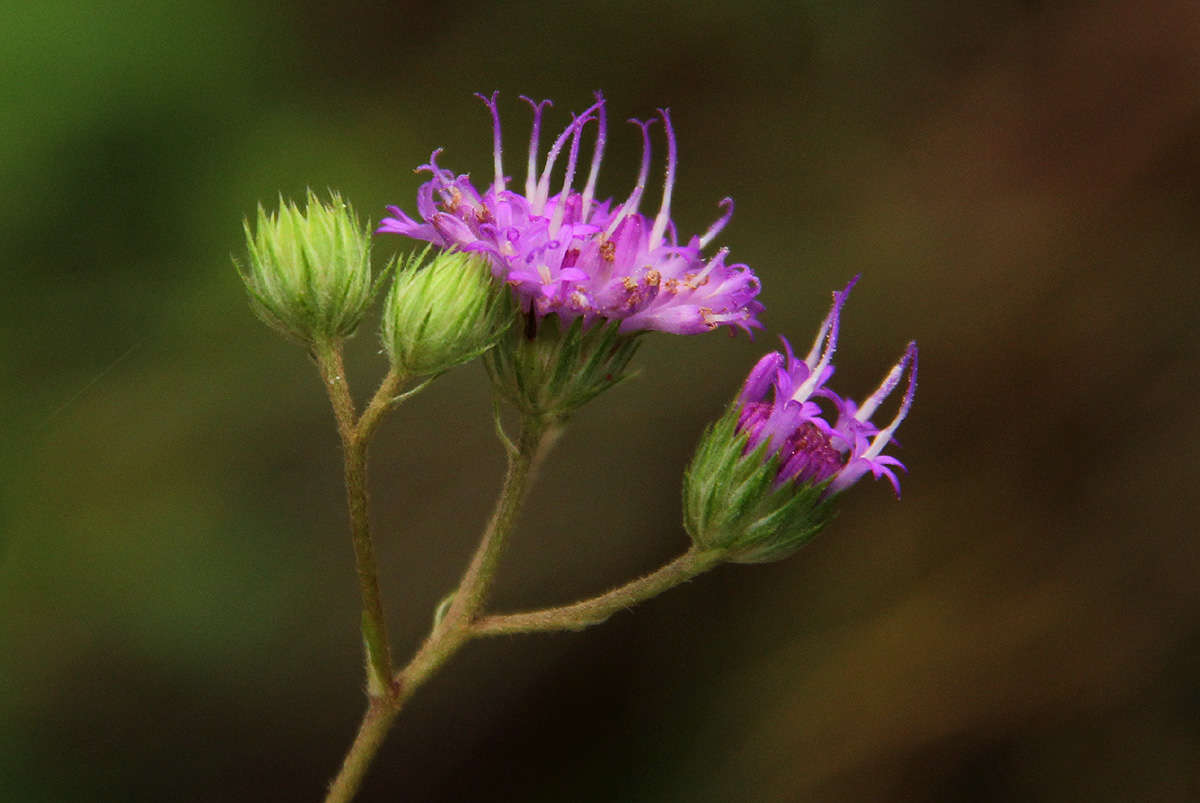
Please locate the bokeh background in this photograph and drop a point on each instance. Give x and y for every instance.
(1016, 181)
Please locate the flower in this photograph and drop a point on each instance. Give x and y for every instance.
(798, 431)
(765, 476)
(579, 258)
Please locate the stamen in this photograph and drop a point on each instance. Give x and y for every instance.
(664, 210)
(811, 359)
(491, 104)
(531, 174)
(443, 177)
(715, 228)
(561, 208)
(884, 390)
(635, 198)
(597, 154)
(834, 321)
(700, 278)
(543, 187)
(885, 435)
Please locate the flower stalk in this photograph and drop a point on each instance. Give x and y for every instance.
(598, 609)
(356, 433)
(472, 591)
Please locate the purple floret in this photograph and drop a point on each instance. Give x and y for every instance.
(785, 402)
(576, 257)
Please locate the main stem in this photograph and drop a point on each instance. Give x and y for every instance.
(381, 713)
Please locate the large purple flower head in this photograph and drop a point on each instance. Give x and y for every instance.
(579, 258)
(764, 478)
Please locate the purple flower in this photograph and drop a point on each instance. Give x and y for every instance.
(576, 257)
(785, 402)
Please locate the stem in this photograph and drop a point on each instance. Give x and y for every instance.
(378, 720)
(384, 399)
(355, 436)
(476, 582)
(455, 628)
(598, 609)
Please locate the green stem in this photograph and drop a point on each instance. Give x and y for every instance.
(385, 399)
(355, 434)
(476, 582)
(454, 630)
(381, 713)
(598, 609)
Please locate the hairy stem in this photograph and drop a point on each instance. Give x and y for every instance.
(598, 609)
(355, 434)
(381, 713)
(384, 399)
(476, 582)
(454, 630)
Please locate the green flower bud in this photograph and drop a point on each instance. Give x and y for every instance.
(546, 371)
(444, 313)
(732, 499)
(309, 272)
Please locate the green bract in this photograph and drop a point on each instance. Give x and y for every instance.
(731, 500)
(444, 313)
(547, 372)
(309, 272)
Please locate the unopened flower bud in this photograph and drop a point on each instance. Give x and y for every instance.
(444, 313)
(309, 271)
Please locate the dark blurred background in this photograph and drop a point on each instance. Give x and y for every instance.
(1018, 184)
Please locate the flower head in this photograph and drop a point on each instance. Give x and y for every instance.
(579, 258)
(763, 480)
(781, 405)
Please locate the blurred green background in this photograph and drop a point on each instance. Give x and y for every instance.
(1018, 184)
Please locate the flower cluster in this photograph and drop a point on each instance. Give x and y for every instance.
(779, 406)
(579, 258)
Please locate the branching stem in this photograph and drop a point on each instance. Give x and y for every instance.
(464, 618)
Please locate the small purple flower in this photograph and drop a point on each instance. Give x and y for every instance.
(576, 257)
(785, 402)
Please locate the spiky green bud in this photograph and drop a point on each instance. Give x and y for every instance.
(547, 371)
(443, 313)
(309, 271)
(733, 501)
